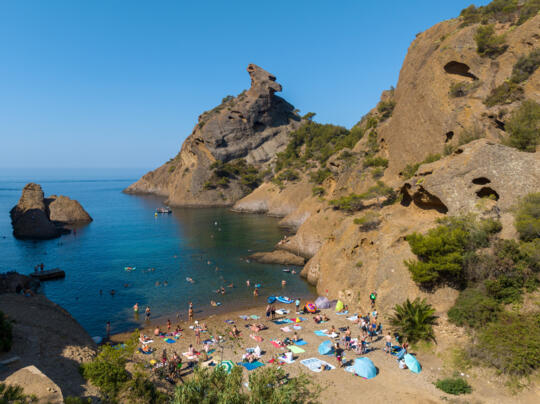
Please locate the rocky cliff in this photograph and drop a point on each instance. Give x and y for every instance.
(226, 151)
(37, 217)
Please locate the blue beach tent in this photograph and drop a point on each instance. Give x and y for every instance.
(412, 363)
(271, 299)
(326, 348)
(365, 368)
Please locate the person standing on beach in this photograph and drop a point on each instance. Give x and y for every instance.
(388, 344)
(197, 335)
(147, 313)
(190, 311)
(268, 310)
(247, 283)
(297, 304)
(255, 292)
(373, 297)
(168, 325)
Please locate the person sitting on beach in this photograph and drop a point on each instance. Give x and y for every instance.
(204, 327)
(317, 319)
(146, 348)
(325, 318)
(234, 332)
(295, 337)
(249, 357)
(143, 338)
(29, 293)
(157, 331)
(178, 330)
(191, 350)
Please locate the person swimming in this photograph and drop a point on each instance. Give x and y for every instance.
(247, 283)
(222, 290)
(283, 282)
(256, 292)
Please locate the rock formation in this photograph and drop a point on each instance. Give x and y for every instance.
(253, 126)
(35, 217)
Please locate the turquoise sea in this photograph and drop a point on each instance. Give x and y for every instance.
(209, 245)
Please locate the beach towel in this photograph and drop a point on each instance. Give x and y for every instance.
(244, 317)
(149, 341)
(284, 359)
(255, 317)
(251, 366)
(316, 365)
(227, 321)
(190, 357)
(296, 349)
(257, 338)
(320, 333)
(169, 340)
(297, 319)
(282, 321)
(352, 318)
(285, 329)
(276, 344)
(145, 353)
(342, 313)
(297, 327)
(300, 342)
(282, 312)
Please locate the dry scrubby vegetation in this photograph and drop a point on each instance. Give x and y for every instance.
(355, 202)
(222, 174)
(498, 274)
(515, 12)
(523, 127)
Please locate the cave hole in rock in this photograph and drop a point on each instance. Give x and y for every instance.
(258, 126)
(272, 78)
(481, 181)
(461, 69)
(486, 192)
(499, 124)
(449, 136)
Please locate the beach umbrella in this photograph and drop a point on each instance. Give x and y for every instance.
(339, 305)
(326, 348)
(311, 307)
(401, 353)
(412, 363)
(322, 302)
(227, 365)
(365, 368)
(271, 299)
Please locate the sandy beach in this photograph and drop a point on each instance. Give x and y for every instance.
(390, 384)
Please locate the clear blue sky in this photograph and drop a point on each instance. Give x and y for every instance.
(121, 83)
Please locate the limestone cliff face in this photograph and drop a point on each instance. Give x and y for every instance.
(37, 217)
(426, 116)
(253, 126)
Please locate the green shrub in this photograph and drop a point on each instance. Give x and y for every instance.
(463, 88)
(525, 66)
(77, 400)
(487, 43)
(288, 175)
(386, 108)
(454, 386)
(473, 309)
(171, 168)
(349, 203)
(6, 333)
(224, 173)
(375, 162)
(318, 191)
(377, 172)
(411, 169)
(443, 252)
(14, 394)
(470, 134)
(507, 93)
(369, 221)
(267, 385)
(511, 344)
(107, 371)
(524, 127)
(414, 320)
(140, 389)
(320, 175)
(501, 11)
(506, 288)
(527, 217)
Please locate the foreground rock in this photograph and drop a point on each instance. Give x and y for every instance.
(280, 257)
(47, 337)
(37, 384)
(253, 126)
(35, 217)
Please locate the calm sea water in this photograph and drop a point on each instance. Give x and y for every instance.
(187, 243)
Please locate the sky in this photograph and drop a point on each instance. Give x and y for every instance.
(120, 84)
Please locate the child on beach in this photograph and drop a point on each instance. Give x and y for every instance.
(339, 354)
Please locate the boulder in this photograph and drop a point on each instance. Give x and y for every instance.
(35, 217)
(36, 383)
(280, 257)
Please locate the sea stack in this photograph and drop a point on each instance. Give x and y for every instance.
(37, 217)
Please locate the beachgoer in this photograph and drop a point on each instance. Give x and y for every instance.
(41, 266)
(247, 283)
(190, 312)
(348, 339)
(136, 307)
(268, 311)
(373, 297)
(222, 290)
(283, 282)
(339, 354)
(325, 318)
(297, 304)
(157, 331)
(197, 335)
(213, 303)
(147, 313)
(191, 350)
(388, 344)
(112, 292)
(273, 312)
(164, 356)
(234, 332)
(256, 292)
(402, 364)
(168, 325)
(295, 337)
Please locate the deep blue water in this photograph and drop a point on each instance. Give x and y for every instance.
(125, 232)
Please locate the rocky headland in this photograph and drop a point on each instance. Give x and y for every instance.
(37, 217)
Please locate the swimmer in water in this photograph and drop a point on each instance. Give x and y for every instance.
(222, 290)
(247, 283)
(157, 283)
(165, 283)
(231, 285)
(256, 292)
(112, 292)
(283, 282)
(293, 272)
(213, 303)
(136, 307)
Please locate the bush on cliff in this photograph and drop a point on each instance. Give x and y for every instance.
(319, 176)
(474, 309)
(524, 127)
(501, 11)
(526, 66)
(527, 218)
(507, 93)
(414, 321)
(454, 386)
(14, 394)
(385, 108)
(265, 386)
(487, 43)
(6, 333)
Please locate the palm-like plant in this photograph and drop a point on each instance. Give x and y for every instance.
(414, 320)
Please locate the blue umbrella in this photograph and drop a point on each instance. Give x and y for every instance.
(401, 353)
(271, 299)
(412, 363)
(326, 348)
(364, 367)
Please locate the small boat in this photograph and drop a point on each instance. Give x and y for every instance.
(55, 273)
(165, 209)
(129, 269)
(286, 270)
(284, 299)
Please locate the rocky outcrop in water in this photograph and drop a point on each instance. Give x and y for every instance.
(37, 217)
(253, 126)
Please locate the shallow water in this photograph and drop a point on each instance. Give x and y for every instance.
(187, 243)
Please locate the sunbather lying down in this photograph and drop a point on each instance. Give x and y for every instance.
(257, 327)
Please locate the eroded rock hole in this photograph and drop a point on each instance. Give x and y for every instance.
(481, 181)
(499, 124)
(258, 126)
(461, 69)
(487, 192)
(449, 136)
(406, 197)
